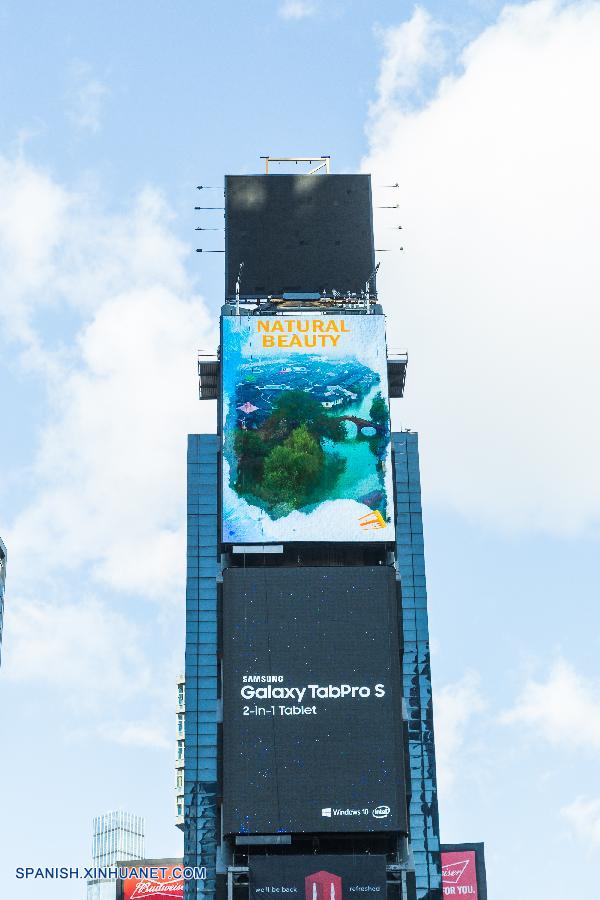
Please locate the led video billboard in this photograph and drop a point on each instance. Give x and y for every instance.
(298, 233)
(322, 877)
(306, 429)
(312, 701)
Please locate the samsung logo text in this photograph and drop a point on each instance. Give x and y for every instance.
(316, 692)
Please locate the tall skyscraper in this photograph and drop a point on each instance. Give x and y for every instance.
(118, 836)
(309, 746)
(2, 587)
(424, 829)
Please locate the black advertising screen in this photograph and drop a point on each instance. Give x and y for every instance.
(319, 877)
(312, 708)
(298, 233)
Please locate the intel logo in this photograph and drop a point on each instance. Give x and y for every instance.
(381, 812)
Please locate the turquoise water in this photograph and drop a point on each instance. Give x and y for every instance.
(360, 476)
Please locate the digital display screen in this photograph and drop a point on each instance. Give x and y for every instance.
(312, 702)
(306, 429)
(298, 233)
(321, 877)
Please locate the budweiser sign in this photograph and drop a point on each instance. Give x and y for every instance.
(136, 888)
(157, 889)
(452, 872)
(459, 874)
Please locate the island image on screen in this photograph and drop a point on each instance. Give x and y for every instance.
(306, 429)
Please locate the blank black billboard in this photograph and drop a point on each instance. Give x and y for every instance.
(312, 708)
(322, 877)
(298, 233)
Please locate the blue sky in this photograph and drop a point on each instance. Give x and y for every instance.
(486, 116)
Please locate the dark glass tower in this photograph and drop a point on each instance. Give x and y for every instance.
(203, 717)
(309, 724)
(416, 668)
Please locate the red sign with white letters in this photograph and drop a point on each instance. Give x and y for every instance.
(138, 888)
(459, 874)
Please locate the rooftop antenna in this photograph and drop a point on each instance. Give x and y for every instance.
(369, 281)
(238, 282)
(324, 162)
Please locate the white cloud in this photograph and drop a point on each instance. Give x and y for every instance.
(297, 9)
(455, 705)
(83, 648)
(109, 472)
(564, 709)
(135, 734)
(33, 215)
(409, 50)
(111, 467)
(584, 817)
(87, 97)
(496, 293)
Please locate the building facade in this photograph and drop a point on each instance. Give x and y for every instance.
(2, 587)
(118, 836)
(416, 667)
(305, 542)
(203, 715)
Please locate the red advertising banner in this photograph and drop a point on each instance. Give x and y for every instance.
(459, 874)
(323, 886)
(138, 888)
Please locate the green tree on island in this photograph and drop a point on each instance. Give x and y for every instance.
(291, 468)
(295, 408)
(250, 450)
(283, 461)
(379, 410)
